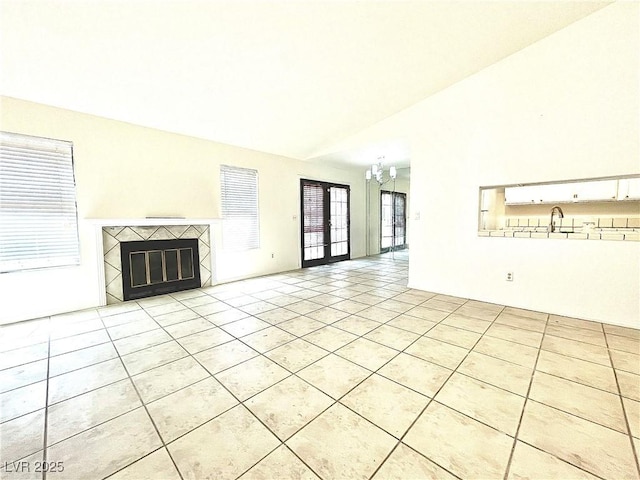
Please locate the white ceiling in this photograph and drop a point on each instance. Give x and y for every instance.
(286, 77)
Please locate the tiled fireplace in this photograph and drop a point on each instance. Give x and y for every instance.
(114, 235)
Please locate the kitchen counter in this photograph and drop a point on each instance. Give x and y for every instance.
(628, 234)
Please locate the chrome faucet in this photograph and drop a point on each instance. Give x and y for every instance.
(555, 210)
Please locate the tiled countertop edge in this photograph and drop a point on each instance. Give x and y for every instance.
(633, 237)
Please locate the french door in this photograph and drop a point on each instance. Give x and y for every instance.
(325, 222)
(393, 221)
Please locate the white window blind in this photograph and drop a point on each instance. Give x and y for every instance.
(38, 219)
(240, 225)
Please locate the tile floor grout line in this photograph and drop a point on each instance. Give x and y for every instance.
(322, 280)
(579, 383)
(555, 408)
(96, 425)
(53, 340)
(25, 363)
(624, 410)
(417, 453)
(192, 355)
(84, 366)
(294, 374)
(87, 391)
(146, 410)
(365, 418)
(178, 437)
(332, 325)
(283, 442)
(546, 373)
(298, 456)
(81, 348)
(524, 405)
(46, 410)
(143, 348)
(244, 361)
(239, 403)
(134, 462)
(571, 415)
(573, 356)
(565, 462)
(334, 352)
(23, 414)
(301, 337)
(25, 385)
(236, 398)
(431, 400)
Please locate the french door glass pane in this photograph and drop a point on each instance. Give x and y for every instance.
(339, 222)
(400, 215)
(392, 220)
(386, 223)
(313, 218)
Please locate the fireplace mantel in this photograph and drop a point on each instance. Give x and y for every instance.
(103, 226)
(151, 221)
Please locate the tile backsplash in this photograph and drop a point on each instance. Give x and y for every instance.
(591, 228)
(576, 223)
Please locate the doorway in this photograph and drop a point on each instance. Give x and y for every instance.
(325, 222)
(393, 221)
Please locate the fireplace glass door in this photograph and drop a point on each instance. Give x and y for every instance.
(156, 267)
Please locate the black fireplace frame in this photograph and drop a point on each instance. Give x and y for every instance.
(133, 293)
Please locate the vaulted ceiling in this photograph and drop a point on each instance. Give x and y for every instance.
(286, 77)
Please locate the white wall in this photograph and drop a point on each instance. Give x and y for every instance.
(565, 107)
(180, 177)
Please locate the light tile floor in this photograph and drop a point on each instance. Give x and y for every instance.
(333, 372)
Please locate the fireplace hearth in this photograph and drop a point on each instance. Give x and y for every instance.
(156, 267)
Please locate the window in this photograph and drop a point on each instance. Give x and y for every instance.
(240, 226)
(38, 217)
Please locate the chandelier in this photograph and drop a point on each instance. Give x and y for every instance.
(376, 172)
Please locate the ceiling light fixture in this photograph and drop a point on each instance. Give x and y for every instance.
(376, 172)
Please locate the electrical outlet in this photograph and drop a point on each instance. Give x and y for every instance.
(509, 277)
(272, 255)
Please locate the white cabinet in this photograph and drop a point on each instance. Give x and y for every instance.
(519, 195)
(592, 191)
(599, 190)
(555, 193)
(536, 194)
(629, 189)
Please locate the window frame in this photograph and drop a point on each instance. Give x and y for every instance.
(38, 203)
(238, 215)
